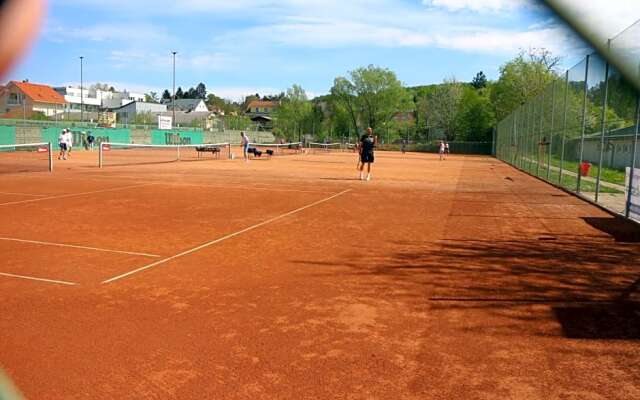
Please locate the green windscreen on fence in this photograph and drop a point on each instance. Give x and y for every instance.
(79, 134)
(176, 137)
(7, 134)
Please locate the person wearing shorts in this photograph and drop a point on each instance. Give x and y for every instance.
(69, 141)
(62, 143)
(245, 146)
(446, 149)
(441, 150)
(366, 146)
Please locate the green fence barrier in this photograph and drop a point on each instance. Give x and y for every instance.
(176, 137)
(101, 135)
(7, 135)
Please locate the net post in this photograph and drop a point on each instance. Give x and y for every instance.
(50, 149)
(100, 155)
(178, 150)
(229, 150)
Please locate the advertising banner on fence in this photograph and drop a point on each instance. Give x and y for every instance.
(165, 122)
(634, 197)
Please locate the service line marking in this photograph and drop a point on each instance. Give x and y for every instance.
(229, 236)
(73, 246)
(25, 194)
(31, 278)
(64, 196)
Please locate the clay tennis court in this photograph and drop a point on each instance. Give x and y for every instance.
(289, 279)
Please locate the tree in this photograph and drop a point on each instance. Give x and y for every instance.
(380, 95)
(179, 93)
(166, 95)
(522, 79)
(479, 81)
(476, 117)
(294, 110)
(151, 97)
(343, 93)
(201, 91)
(443, 104)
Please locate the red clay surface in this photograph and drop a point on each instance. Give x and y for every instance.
(462, 279)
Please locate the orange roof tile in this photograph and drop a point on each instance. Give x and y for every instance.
(262, 103)
(40, 93)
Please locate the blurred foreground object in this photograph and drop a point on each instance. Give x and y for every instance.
(19, 24)
(622, 51)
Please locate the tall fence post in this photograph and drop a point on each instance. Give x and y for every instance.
(603, 121)
(634, 155)
(551, 129)
(584, 120)
(540, 129)
(564, 127)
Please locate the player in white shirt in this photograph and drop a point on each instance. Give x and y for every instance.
(62, 143)
(441, 150)
(69, 141)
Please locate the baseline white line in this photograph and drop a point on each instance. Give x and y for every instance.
(238, 187)
(229, 236)
(31, 278)
(64, 196)
(73, 246)
(25, 194)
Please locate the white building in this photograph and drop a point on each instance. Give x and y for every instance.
(127, 113)
(96, 99)
(187, 105)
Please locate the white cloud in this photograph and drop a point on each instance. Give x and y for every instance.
(478, 5)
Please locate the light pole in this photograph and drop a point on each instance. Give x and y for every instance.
(173, 98)
(81, 91)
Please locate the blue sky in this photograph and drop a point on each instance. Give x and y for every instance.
(246, 46)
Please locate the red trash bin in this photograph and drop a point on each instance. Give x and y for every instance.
(584, 168)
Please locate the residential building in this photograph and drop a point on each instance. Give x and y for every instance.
(261, 108)
(23, 99)
(126, 114)
(187, 105)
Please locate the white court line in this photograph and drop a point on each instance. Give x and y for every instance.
(73, 246)
(25, 194)
(63, 196)
(229, 236)
(31, 278)
(243, 188)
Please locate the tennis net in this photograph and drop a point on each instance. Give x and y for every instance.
(30, 157)
(122, 154)
(326, 147)
(276, 149)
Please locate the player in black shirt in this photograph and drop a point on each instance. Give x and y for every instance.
(366, 146)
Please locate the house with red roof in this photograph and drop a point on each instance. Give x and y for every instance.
(23, 99)
(262, 112)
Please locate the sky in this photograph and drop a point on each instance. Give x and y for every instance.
(241, 47)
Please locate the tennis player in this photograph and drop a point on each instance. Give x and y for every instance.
(366, 146)
(441, 151)
(69, 140)
(245, 146)
(62, 143)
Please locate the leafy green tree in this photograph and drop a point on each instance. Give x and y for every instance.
(522, 79)
(294, 110)
(344, 98)
(380, 95)
(151, 97)
(444, 105)
(179, 93)
(166, 95)
(476, 117)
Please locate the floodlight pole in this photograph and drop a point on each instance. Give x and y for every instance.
(173, 98)
(81, 90)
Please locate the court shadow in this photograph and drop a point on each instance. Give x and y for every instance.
(622, 230)
(617, 321)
